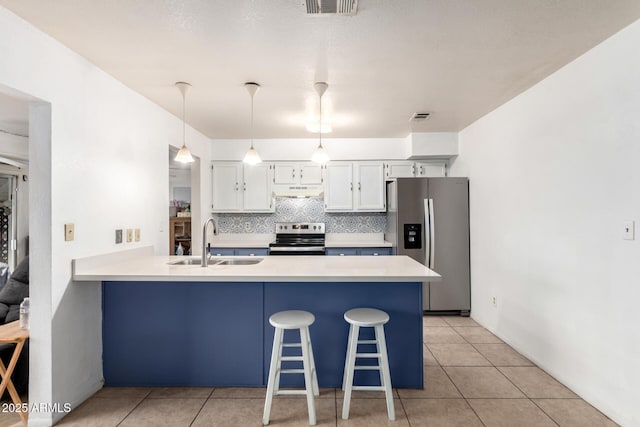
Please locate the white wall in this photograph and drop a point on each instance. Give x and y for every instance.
(302, 149)
(107, 169)
(553, 175)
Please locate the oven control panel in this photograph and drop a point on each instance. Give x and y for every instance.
(300, 228)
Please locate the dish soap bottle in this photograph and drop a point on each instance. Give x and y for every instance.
(180, 250)
(24, 313)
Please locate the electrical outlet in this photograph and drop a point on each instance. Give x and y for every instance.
(494, 301)
(137, 233)
(247, 226)
(129, 235)
(118, 236)
(69, 232)
(629, 230)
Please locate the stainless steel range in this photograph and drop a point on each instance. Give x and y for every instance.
(298, 238)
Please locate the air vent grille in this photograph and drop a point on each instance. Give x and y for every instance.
(418, 117)
(337, 7)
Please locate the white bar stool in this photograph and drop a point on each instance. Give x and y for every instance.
(367, 318)
(281, 321)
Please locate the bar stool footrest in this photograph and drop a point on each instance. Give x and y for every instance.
(368, 388)
(368, 355)
(367, 368)
(291, 392)
(292, 371)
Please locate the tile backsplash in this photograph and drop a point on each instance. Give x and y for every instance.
(302, 210)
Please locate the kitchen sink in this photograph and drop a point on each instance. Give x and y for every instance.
(218, 261)
(239, 261)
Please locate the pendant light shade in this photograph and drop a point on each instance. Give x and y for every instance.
(320, 156)
(252, 157)
(184, 155)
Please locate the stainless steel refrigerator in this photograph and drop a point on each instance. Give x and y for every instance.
(428, 220)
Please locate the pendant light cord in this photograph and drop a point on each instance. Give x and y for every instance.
(320, 120)
(251, 121)
(184, 114)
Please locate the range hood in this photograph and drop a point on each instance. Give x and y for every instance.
(298, 191)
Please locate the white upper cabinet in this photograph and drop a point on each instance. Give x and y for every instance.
(226, 179)
(286, 174)
(410, 169)
(354, 186)
(400, 169)
(236, 187)
(256, 188)
(310, 174)
(431, 169)
(338, 187)
(297, 174)
(369, 186)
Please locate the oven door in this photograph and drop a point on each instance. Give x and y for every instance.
(296, 250)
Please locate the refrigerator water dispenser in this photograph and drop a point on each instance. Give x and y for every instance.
(413, 236)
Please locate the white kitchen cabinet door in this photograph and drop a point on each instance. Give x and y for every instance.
(370, 186)
(401, 169)
(310, 174)
(431, 169)
(226, 179)
(256, 188)
(286, 174)
(338, 187)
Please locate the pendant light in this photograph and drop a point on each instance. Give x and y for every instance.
(320, 156)
(184, 155)
(252, 157)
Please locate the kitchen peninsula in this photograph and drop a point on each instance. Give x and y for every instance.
(187, 325)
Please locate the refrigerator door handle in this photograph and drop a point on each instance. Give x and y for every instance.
(430, 241)
(427, 235)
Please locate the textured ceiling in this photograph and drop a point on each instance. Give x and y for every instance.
(458, 59)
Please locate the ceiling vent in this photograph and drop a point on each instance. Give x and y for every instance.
(333, 7)
(420, 117)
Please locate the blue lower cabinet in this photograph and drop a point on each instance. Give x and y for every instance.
(375, 251)
(169, 334)
(207, 334)
(341, 251)
(239, 251)
(223, 252)
(358, 251)
(252, 252)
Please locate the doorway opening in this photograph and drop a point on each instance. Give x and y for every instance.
(180, 208)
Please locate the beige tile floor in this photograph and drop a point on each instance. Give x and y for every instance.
(471, 379)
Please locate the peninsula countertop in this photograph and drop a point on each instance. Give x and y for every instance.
(140, 265)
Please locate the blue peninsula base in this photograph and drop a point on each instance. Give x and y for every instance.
(218, 333)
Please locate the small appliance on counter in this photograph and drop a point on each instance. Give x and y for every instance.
(298, 238)
(428, 220)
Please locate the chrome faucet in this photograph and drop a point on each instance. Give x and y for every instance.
(206, 247)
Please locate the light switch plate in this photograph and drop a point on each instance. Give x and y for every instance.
(129, 235)
(629, 230)
(118, 236)
(137, 233)
(69, 232)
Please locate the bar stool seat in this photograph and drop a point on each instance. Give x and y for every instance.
(366, 318)
(289, 320)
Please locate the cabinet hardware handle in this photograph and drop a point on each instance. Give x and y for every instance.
(300, 173)
(236, 186)
(421, 170)
(413, 169)
(351, 186)
(244, 186)
(359, 186)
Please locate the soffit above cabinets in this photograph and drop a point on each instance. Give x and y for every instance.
(455, 59)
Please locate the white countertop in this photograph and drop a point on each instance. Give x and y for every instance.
(332, 240)
(140, 265)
